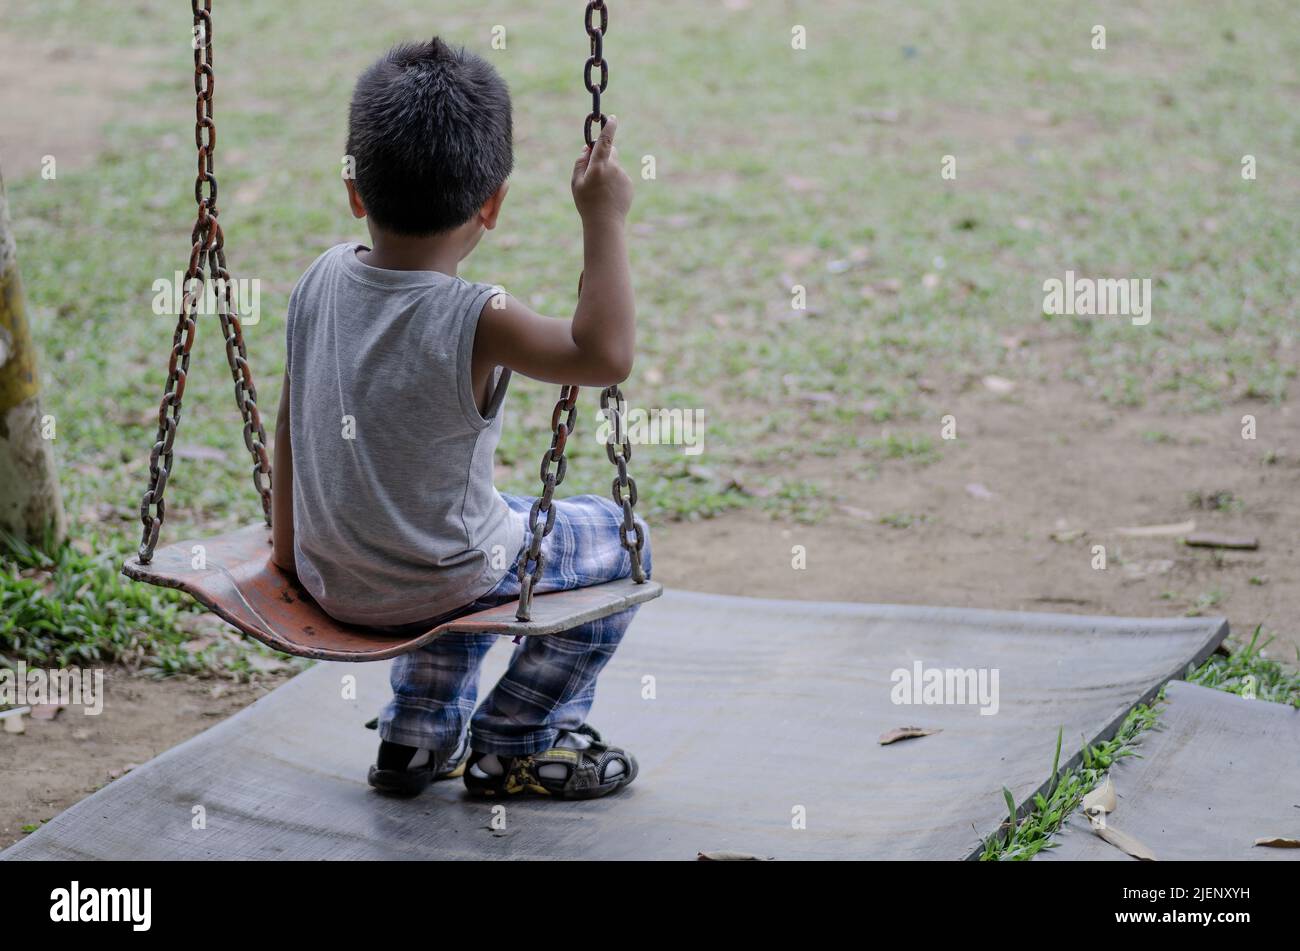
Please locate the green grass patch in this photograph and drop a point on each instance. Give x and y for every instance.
(1246, 672)
(70, 606)
(1068, 159)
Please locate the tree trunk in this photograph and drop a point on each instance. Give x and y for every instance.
(30, 502)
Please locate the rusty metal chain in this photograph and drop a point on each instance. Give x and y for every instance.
(541, 518)
(207, 263)
(596, 61)
(619, 449)
(612, 404)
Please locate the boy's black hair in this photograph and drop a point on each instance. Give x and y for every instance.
(429, 133)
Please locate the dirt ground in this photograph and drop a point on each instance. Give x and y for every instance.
(1078, 479)
(1007, 518)
(79, 83)
(55, 763)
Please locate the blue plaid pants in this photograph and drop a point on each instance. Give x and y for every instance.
(551, 681)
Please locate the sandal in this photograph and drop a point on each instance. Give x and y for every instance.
(394, 774)
(585, 771)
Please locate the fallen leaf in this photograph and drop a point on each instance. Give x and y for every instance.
(1096, 806)
(999, 385)
(905, 733)
(728, 857)
(1100, 800)
(1210, 540)
(1122, 840)
(979, 491)
(1157, 531)
(1279, 843)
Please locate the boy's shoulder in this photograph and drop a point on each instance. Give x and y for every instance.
(325, 258)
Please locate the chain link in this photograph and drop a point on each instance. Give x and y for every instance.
(596, 61)
(207, 264)
(541, 518)
(619, 450)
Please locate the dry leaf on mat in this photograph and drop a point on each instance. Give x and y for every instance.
(727, 857)
(1278, 842)
(905, 733)
(1096, 806)
(1122, 840)
(1101, 799)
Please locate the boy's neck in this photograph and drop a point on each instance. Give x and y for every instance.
(402, 253)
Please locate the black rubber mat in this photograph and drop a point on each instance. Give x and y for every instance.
(755, 722)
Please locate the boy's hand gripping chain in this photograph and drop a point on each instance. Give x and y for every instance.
(541, 519)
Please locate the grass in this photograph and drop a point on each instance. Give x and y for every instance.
(1067, 155)
(774, 168)
(1246, 672)
(69, 605)
(72, 607)
(1249, 673)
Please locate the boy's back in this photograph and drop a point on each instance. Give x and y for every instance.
(395, 513)
(384, 504)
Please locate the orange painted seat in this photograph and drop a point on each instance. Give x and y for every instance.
(241, 584)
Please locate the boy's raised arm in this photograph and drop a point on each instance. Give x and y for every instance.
(596, 348)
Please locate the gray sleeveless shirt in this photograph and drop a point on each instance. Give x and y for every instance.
(395, 515)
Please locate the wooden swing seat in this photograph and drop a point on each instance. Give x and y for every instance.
(241, 584)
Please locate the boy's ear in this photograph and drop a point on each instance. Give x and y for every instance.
(492, 207)
(354, 200)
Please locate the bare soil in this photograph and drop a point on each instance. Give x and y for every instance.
(81, 83)
(1050, 476)
(1007, 518)
(55, 763)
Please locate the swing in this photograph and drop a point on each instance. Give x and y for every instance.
(234, 576)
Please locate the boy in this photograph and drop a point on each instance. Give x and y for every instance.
(384, 503)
